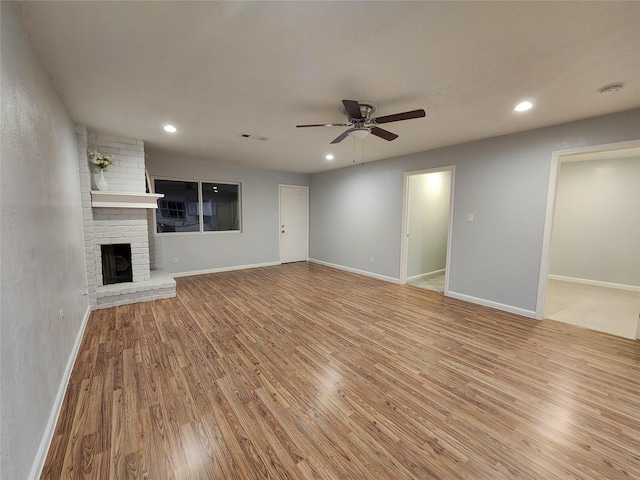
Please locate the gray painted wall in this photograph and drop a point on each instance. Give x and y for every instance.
(428, 222)
(596, 227)
(43, 268)
(257, 243)
(356, 212)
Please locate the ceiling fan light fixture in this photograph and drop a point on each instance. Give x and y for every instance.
(359, 132)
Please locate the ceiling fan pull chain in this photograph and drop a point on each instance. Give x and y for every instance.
(354, 149)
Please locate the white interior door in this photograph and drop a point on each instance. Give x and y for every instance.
(294, 223)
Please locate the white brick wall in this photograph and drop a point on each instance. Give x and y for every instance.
(105, 226)
(116, 226)
(87, 213)
(155, 247)
(127, 173)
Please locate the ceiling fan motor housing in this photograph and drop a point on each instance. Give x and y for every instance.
(366, 110)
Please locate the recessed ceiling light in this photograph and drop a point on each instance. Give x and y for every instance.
(523, 106)
(170, 129)
(329, 157)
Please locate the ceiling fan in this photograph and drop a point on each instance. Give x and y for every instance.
(362, 124)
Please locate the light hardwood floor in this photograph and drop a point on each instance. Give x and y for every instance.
(302, 371)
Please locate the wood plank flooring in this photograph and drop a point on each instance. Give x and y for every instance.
(300, 371)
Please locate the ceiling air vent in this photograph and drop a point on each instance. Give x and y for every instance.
(613, 88)
(253, 137)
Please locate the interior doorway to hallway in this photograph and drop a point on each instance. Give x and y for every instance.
(426, 229)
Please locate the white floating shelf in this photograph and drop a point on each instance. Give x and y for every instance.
(124, 199)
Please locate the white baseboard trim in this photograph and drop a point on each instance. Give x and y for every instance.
(597, 283)
(355, 270)
(45, 443)
(415, 277)
(492, 304)
(459, 296)
(223, 269)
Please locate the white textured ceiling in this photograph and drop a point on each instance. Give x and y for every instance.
(219, 69)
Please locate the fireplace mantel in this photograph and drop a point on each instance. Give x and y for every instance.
(124, 199)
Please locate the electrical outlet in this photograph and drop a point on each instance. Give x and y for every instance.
(61, 316)
(371, 259)
(175, 259)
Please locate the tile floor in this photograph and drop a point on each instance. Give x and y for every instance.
(433, 282)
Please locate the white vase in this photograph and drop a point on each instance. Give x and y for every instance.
(101, 182)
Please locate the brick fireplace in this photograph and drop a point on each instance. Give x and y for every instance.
(122, 215)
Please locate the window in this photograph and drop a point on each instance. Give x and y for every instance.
(190, 206)
(172, 209)
(220, 207)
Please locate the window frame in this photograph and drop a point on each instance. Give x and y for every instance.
(170, 208)
(199, 183)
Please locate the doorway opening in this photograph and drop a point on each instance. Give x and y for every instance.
(426, 230)
(592, 233)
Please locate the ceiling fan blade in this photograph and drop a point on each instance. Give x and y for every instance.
(325, 125)
(341, 137)
(353, 109)
(382, 133)
(396, 117)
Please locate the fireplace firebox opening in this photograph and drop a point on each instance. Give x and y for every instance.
(116, 264)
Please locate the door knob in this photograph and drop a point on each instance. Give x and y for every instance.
(282, 231)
